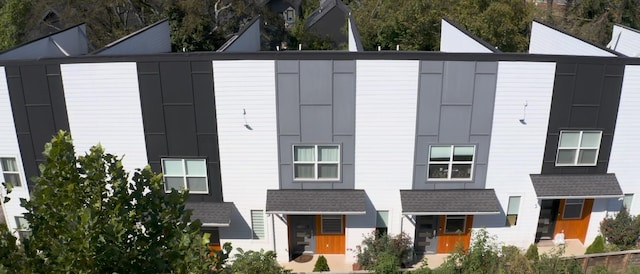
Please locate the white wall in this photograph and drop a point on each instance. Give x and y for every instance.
(386, 102)
(624, 157)
(103, 105)
(545, 40)
(9, 148)
(248, 158)
(454, 40)
(625, 41)
(517, 150)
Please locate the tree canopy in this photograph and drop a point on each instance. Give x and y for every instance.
(87, 215)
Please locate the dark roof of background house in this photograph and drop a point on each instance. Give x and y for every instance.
(241, 32)
(325, 7)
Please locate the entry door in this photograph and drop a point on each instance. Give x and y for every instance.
(426, 239)
(302, 235)
(547, 220)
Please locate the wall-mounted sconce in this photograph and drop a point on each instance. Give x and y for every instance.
(524, 113)
(244, 115)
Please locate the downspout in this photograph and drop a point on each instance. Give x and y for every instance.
(273, 230)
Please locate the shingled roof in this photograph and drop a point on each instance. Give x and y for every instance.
(560, 186)
(211, 213)
(316, 201)
(449, 202)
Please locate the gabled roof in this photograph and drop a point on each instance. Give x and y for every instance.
(211, 214)
(151, 39)
(455, 38)
(449, 202)
(625, 40)
(546, 39)
(316, 201)
(246, 40)
(71, 41)
(577, 186)
(325, 7)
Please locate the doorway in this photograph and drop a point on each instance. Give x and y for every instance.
(547, 220)
(302, 235)
(426, 238)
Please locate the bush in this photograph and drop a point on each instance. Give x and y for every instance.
(622, 231)
(256, 262)
(597, 246)
(532, 253)
(373, 246)
(321, 265)
(386, 263)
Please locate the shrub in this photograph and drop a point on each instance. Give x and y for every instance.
(321, 264)
(386, 263)
(532, 253)
(597, 246)
(622, 230)
(256, 262)
(400, 246)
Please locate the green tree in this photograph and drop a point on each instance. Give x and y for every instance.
(622, 230)
(250, 261)
(87, 216)
(597, 246)
(13, 18)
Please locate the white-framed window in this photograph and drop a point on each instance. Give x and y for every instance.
(578, 148)
(573, 209)
(451, 162)
(512, 210)
(10, 172)
(23, 228)
(289, 15)
(626, 201)
(257, 224)
(181, 174)
(455, 224)
(316, 162)
(331, 224)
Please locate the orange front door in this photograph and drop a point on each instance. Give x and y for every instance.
(574, 226)
(448, 239)
(330, 239)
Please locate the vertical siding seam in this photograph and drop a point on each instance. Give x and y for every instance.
(417, 129)
(164, 116)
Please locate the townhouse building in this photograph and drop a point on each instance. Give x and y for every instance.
(307, 151)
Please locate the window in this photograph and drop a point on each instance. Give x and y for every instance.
(451, 162)
(9, 168)
(24, 231)
(382, 220)
(626, 201)
(183, 174)
(578, 148)
(289, 15)
(257, 224)
(512, 210)
(455, 224)
(316, 162)
(573, 209)
(331, 224)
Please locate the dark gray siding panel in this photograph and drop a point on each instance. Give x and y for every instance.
(178, 112)
(316, 105)
(39, 110)
(585, 96)
(455, 107)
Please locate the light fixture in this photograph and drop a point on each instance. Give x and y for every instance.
(524, 113)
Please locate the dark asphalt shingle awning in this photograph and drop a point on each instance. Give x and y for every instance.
(578, 186)
(316, 201)
(449, 202)
(211, 214)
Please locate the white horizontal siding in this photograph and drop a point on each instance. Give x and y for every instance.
(517, 149)
(103, 105)
(9, 148)
(248, 158)
(545, 40)
(625, 41)
(454, 40)
(624, 157)
(386, 109)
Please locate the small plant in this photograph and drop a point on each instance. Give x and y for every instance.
(386, 263)
(622, 230)
(532, 253)
(250, 261)
(321, 265)
(400, 246)
(597, 246)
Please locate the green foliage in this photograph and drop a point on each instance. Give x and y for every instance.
(532, 253)
(321, 265)
(599, 269)
(622, 230)
(13, 19)
(87, 216)
(11, 254)
(219, 258)
(597, 246)
(373, 246)
(386, 263)
(256, 262)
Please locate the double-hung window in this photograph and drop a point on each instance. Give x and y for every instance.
(181, 174)
(24, 230)
(578, 148)
(451, 162)
(316, 162)
(10, 173)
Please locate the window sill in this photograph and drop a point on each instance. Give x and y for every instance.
(571, 165)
